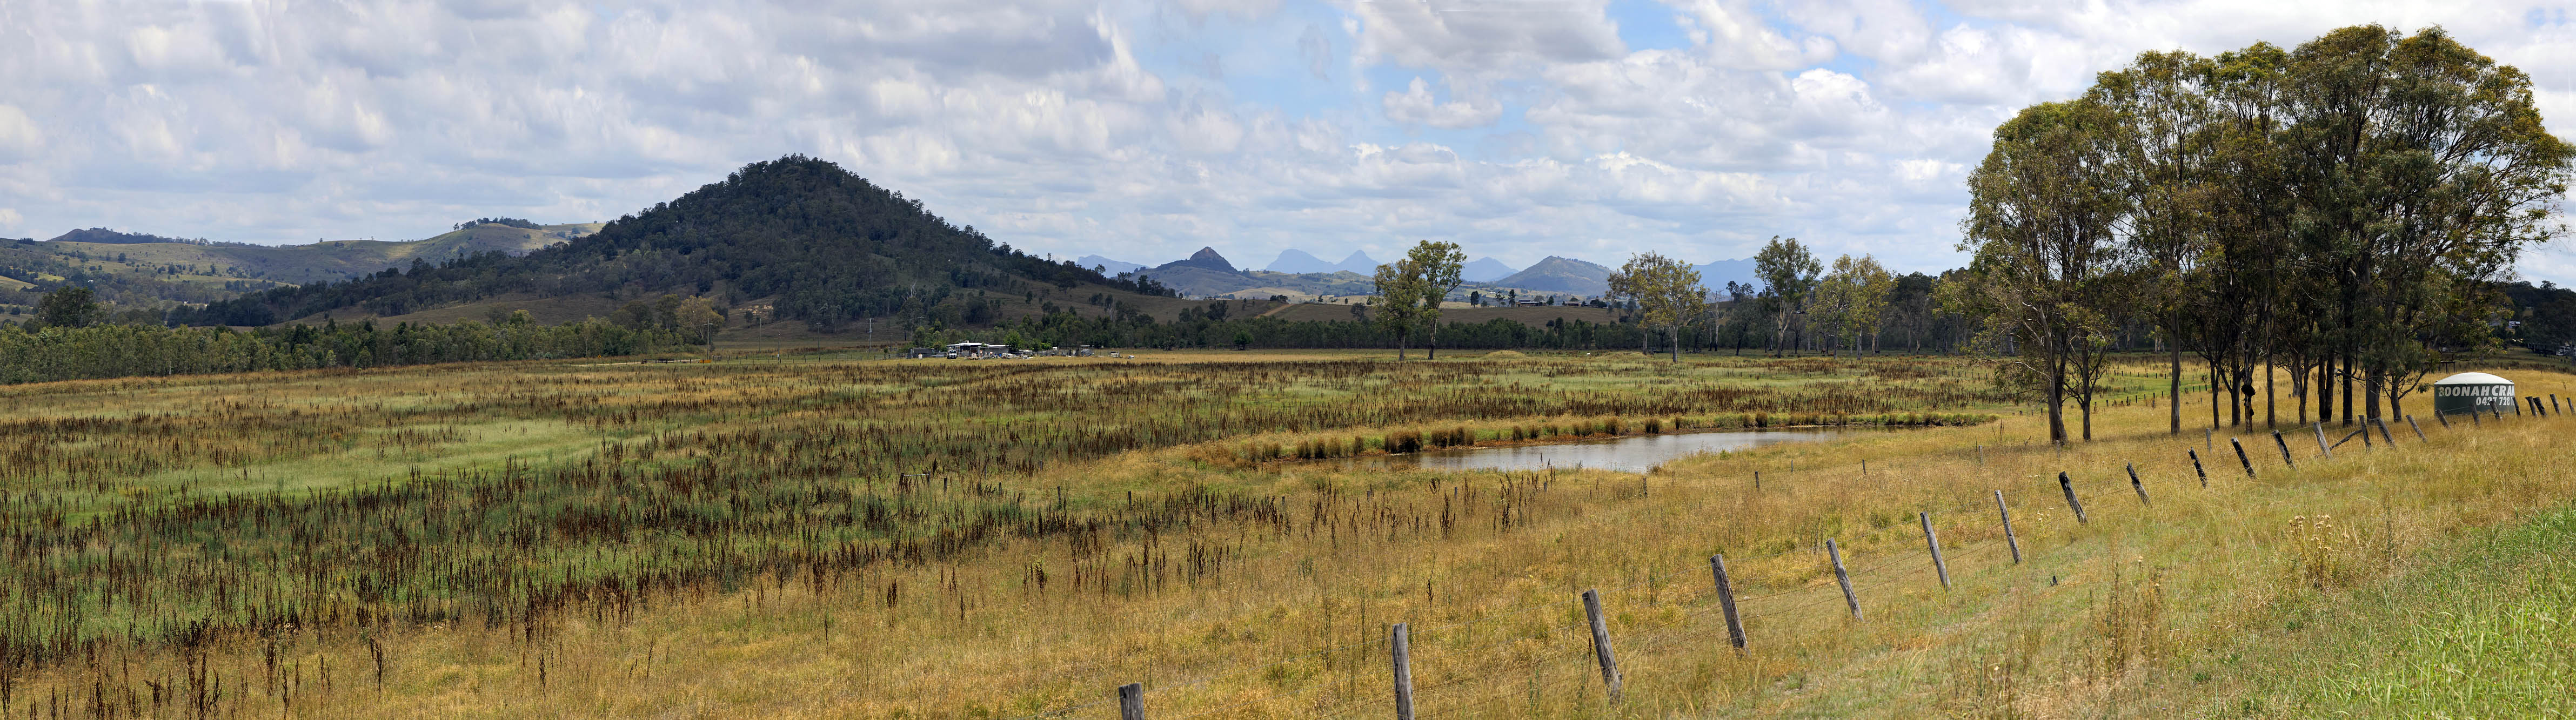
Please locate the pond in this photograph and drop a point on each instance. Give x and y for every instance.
(1635, 453)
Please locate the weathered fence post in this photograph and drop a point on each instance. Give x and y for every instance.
(1726, 601)
(2419, 429)
(2009, 540)
(1131, 701)
(1403, 657)
(2322, 449)
(2383, 431)
(2474, 422)
(2195, 467)
(1933, 541)
(2241, 459)
(1757, 479)
(2285, 450)
(2135, 485)
(2069, 486)
(2445, 419)
(2364, 432)
(1843, 577)
(2553, 403)
(1601, 643)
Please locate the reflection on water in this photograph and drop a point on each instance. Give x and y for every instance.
(1636, 453)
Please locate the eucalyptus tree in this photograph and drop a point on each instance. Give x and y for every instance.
(2164, 146)
(1788, 272)
(2422, 169)
(2042, 228)
(1667, 293)
(1439, 267)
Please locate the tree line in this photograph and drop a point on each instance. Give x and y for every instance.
(71, 337)
(2344, 212)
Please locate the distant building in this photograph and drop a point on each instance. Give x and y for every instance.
(920, 352)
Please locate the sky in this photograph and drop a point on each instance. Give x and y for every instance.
(1135, 129)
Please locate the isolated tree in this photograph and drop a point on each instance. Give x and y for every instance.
(1399, 300)
(70, 306)
(1667, 293)
(1788, 273)
(1439, 265)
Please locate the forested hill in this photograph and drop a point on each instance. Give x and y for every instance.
(829, 246)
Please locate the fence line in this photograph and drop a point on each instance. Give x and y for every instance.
(1661, 634)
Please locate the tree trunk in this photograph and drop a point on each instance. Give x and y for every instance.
(1677, 344)
(2057, 403)
(2175, 388)
(2347, 388)
(2325, 388)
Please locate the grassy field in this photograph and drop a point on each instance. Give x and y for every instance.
(817, 536)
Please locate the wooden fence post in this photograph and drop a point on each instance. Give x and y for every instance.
(2069, 486)
(2285, 450)
(2135, 485)
(1726, 601)
(2474, 422)
(1403, 656)
(1933, 541)
(2445, 418)
(1843, 577)
(1131, 701)
(2383, 431)
(1757, 479)
(2553, 403)
(2322, 449)
(2419, 429)
(2364, 432)
(2241, 459)
(1601, 643)
(2009, 540)
(2195, 466)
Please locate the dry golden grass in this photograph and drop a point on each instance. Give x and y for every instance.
(1282, 612)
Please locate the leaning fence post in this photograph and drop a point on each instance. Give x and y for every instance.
(1933, 541)
(2553, 403)
(1843, 577)
(2474, 422)
(1726, 601)
(2444, 417)
(1601, 643)
(2195, 466)
(2322, 448)
(1403, 657)
(2069, 486)
(2240, 457)
(2419, 429)
(2364, 432)
(2009, 540)
(1131, 701)
(2383, 431)
(2135, 485)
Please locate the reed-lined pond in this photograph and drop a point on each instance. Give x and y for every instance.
(1634, 453)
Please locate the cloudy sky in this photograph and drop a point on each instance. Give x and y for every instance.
(1139, 130)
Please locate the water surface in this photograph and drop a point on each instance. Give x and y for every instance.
(1634, 453)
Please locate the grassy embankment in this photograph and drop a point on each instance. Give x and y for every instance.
(1263, 588)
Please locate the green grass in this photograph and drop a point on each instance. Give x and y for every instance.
(2485, 627)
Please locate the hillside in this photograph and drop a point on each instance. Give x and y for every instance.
(1560, 275)
(824, 246)
(142, 270)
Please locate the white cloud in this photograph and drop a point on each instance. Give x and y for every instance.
(1135, 128)
(10, 218)
(1416, 106)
